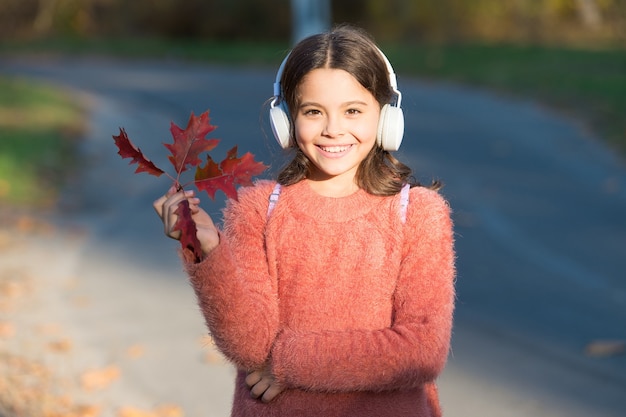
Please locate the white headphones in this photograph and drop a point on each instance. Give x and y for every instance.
(390, 124)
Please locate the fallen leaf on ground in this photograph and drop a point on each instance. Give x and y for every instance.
(7, 330)
(169, 410)
(135, 351)
(61, 346)
(48, 329)
(134, 412)
(14, 284)
(165, 410)
(86, 411)
(99, 378)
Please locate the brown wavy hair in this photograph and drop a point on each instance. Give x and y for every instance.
(352, 50)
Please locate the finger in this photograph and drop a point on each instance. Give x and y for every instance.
(158, 205)
(259, 388)
(253, 378)
(160, 202)
(169, 216)
(194, 205)
(271, 393)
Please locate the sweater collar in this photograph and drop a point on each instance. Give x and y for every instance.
(302, 199)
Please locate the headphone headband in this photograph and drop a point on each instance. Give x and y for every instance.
(393, 82)
(390, 125)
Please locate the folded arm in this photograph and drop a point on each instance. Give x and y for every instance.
(410, 352)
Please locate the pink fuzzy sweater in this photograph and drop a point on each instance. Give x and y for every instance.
(351, 307)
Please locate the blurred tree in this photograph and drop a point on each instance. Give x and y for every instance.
(44, 18)
(555, 21)
(309, 17)
(589, 13)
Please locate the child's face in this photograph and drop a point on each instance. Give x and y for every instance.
(336, 123)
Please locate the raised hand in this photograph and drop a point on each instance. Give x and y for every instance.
(166, 207)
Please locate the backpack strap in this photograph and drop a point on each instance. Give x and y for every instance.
(404, 201)
(273, 199)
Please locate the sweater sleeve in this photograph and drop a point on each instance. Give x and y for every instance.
(414, 349)
(235, 292)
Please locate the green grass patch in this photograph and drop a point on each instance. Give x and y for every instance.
(39, 127)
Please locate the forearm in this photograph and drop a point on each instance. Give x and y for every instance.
(239, 306)
(401, 357)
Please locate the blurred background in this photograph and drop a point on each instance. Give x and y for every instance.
(567, 53)
(561, 22)
(519, 105)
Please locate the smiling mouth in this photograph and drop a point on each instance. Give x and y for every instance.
(335, 149)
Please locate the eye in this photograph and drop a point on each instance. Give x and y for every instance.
(353, 112)
(311, 112)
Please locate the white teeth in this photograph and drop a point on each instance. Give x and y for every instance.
(334, 149)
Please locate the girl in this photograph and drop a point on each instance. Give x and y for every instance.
(333, 292)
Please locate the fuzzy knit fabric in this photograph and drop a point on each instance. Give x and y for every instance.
(350, 307)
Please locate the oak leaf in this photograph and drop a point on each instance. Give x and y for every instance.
(188, 146)
(232, 171)
(128, 150)
(190, 142)
(187, 228)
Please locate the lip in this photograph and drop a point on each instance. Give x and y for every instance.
(335, 151)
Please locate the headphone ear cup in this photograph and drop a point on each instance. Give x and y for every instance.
(390, 127)
(280, 125)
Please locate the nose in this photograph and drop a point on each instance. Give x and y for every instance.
(332, 126)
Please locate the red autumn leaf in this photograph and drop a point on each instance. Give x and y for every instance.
(128, 150)
(188, 231)
(186, 150)
(241, 169)
(191, 142)
(232, 171)
(210, 178)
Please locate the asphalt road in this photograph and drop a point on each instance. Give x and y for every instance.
(538, 204)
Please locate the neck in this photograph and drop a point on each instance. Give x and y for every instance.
(333, 187)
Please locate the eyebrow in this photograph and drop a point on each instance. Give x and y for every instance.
(346, 104)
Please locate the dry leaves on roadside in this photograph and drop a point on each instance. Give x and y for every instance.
(135, 351)
(60, 346)
(166, 410)
(97, 379)
(7, 330)
(76, 411)
(30, 389)
(15, 283)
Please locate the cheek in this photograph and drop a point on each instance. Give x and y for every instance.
(367, 130)
(304, 131)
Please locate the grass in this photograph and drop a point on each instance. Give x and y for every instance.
(37, 123)
(39, 126)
